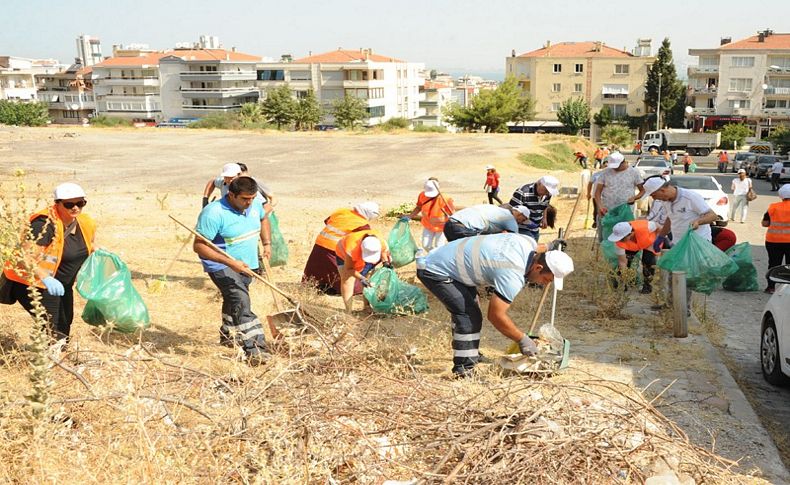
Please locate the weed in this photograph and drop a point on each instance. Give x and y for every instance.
(398, 211)
(103, 121)
(162, 201)
(555, 156)
(430, 129)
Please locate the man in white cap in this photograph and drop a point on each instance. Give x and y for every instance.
(485, 219)
(229, 172)
(740, 190)
(631, 237)
(357, 254)
(504, 262)
(536, 197)
(619, 184)
(685, 209)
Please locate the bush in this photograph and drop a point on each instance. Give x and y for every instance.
(103, 121)
(734, 132)
(555, 156)
(396, 123)
(618, 135)
(430, 129)
(219, 121)
(24, 114)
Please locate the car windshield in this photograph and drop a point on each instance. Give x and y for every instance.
(767, 160)
(741, 156)
(651, 163)
(695, 183)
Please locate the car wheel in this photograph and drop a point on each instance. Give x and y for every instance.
(704, 152)
(770, 356)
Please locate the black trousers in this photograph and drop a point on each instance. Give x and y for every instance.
(774, 182)
(60, 309)
(239, 323)
(777, 252)
(494, 195)
(455, 230)
(648, 265)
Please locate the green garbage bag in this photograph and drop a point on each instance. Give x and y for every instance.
(388, 294)
(621, 213)
(745, 279)
(279, 247)
(607, 248)
(401, 244)
(706, 266)
(693, 167)
(105, 281)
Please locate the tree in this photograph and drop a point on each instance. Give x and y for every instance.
(308, 112)
(780, 137)
(663, 69)
(734, 132)
(349, 112)
(619, 135)
(603, 117)
(525, 110)
(279, 107)
(492, 109)
(574, 114)
(250, 114)
(24, 114)
(676, 117)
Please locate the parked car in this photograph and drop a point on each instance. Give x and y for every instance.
(710, 190)
(760, 166)
(784, 176)
(775, 329)
(653, 165)
(740, 159)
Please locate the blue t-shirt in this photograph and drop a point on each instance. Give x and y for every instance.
(498, 260)
(487, 218)
(234, 232)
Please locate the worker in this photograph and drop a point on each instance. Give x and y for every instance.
(504, 262)
(60, 239)
(637, 148)
(777, 237)
(598, 157)
(321, 267)
(581, 159)
(619, 184)
(357, 254)
(263, 190)
(687, 162)
(723, 238)
(630, 238)
(485, 219)
(234, 224)
(776, 172)
(433, 210)
(592, 185)
(724, 159)
(229, 172)
(536, 197)
(685, 209)
(492, 184)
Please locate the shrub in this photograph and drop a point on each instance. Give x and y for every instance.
(395, 123)
(555, 156)
(103, 121)
(24, 114)
(219, 121)
(618, 135)
(430, 129)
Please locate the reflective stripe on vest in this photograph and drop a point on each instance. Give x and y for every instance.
(779, 229)
(340, 223)
(471, 275)
(643, 238)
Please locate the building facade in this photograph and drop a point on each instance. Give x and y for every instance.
(17, 79)
(747, 81)
(88, 50)
(69, 95)
(389, 87)
(600, 75)
(129, 87)
(434, 97)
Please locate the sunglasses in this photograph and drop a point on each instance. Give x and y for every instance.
(71, 205)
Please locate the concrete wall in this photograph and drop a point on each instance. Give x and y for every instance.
(170, 89)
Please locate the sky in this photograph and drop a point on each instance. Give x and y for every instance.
(453, 36)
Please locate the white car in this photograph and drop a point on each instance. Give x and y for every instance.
(775, 329)
(649, 165)
(710, 190)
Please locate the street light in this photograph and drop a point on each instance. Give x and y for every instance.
(658, 106)
(688, 111)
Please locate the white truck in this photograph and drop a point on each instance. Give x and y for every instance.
(686, 140)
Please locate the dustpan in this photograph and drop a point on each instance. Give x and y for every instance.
(542, 363)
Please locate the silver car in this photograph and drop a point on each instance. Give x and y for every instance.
(653, 165)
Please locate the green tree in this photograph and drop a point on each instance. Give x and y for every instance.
(24, 114)
(780, 137)
(663, 69)
(676, 116)
(603, 118)
(308, 112)
(525, 110)
(575, 115)
(279, 107)
(459, 116)
(492, 109)
(250, 114)
(734, 132)
(349, 112)
(619, 135)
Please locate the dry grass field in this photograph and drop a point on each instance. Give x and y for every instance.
(347, 399)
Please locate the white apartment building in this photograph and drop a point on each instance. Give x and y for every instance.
(390, 87)
(747, 81)
(88, 50)
(17, 79)
(69, 94)
(434, 96)
(128, 87)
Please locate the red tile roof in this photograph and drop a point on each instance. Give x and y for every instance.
(773, 41)
(576, 49)
(341, 56)
(153, 58)
(436, 85)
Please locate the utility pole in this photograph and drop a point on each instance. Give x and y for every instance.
(658, 105)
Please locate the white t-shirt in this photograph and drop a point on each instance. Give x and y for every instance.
(741, 187)
(776, 168)
(658, 212)
(687, 207)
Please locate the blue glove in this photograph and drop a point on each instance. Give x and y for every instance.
(367, 269)
(54, 287)
(405, 219)
(365, 282)
(532, 226)
(660, 240)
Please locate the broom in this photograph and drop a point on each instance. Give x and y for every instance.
(587, 221)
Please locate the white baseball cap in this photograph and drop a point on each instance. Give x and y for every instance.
(489, 167)
(615, 160)
(561, 265)
(369, 210)
(784, 192)
(371, 250)
(522, 209)
(230, 170)
(740, 170)
(431, 188)
(652, 184)
(551, 184)
(620, 230)
(67, 191)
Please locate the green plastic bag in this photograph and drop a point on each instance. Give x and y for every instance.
(693, 167)
(745, 279)
(279, 247)
(706, 266)
(105, 281)
(388, 294)
(621, 213)
(401, 244)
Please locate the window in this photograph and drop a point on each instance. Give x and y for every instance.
(271, 75)
(783, 62)
(740, 84)
(376, 93)
(71, 114)
(355, 75)
(579, 68)
(556, 88)
(555, 107)
(739, 61)
(577, 88)
(375, 111)
(557, 68)
(776, 103)
(300, 94)
(740, 103)
(615, 91)
(300, 75)
(617, 110)
(622, 68)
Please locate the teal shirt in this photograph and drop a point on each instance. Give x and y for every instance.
(234, 232)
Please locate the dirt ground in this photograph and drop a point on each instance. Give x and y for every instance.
(136, 178)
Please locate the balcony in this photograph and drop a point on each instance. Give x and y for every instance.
(211, 108)
(781, 71)
(776, 112)
(372, 83)
(703, 91)
(777, 92)
(218, 76)
(129, 81)
(218, 92)
(703, 111)
(698, 70)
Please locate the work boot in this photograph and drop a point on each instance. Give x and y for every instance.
(258, 357)
(465, 373)
(646, 289)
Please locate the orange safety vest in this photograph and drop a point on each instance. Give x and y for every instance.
(779, 229)
(436, 211)
(340, 223)
(352, 244)
(598, 154)
(723, 157)
(643, 237)
(51, 257)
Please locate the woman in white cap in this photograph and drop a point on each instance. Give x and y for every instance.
(229, 172)
(435, 210)
(357, 254)
(777, 237)
(492, 184)
(63, 238)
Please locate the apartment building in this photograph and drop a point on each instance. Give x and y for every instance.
(69, 94)
(747, 81)
(129, 87)
(434, 96)
(17, 79)
(390, 87)
(88, 50)
(593, 71)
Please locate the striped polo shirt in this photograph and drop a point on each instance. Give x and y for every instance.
(235, 232)
(527, 195)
